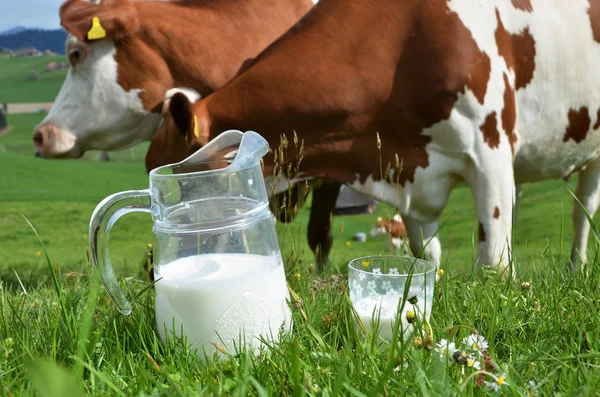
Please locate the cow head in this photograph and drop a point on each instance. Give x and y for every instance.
(114, 82)
(180, 133)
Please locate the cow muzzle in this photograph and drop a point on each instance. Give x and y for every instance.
(52, 142)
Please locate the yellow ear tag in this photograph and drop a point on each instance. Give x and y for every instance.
(96, 31)
(196, 134)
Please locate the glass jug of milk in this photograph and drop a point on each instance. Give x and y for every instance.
(217, 264)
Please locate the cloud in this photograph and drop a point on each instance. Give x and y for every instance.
(30, 13)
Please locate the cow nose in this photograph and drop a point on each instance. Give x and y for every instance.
(38, 138)
(43, 136)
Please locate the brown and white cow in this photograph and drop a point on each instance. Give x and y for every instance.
(489, 93)
(111, 98)
(112, 95)
(394, 229)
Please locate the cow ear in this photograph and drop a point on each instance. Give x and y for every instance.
(180, 108)
(88, 22)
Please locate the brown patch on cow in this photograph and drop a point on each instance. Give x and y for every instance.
(134, 55)
(579, 125)
(509, 114)
(518, 50)
(479, 80)
(594, 13)
(491, 136)
(524, 5)
(426, 96)
(481, 232)
(524, 46)
(496, 213)
(597, 123)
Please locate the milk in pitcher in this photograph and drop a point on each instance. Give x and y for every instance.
(216, 296)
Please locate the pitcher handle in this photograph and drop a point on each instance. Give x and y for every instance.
(107, 212)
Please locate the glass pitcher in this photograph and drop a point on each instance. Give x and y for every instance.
(217, 262)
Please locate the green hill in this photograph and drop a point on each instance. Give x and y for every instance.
(42, 39)
(17, 82)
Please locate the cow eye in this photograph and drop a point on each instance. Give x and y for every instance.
(76, 55)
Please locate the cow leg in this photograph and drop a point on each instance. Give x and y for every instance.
(587, 194)
(320, 235)
(493, 188)
(422, 240)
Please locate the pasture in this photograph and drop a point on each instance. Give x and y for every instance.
(59, 332)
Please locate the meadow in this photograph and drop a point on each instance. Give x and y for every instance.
(60, 333)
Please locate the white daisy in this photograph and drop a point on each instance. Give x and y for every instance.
(498, 382)
(476, 342)
(444, 346)
(415, 291)
(532, 387)
(473, 364)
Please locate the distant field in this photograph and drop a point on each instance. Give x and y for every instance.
(16, 85)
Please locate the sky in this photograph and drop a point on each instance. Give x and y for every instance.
(29, 13)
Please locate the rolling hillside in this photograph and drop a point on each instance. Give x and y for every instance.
(53, 40)
(18, 84)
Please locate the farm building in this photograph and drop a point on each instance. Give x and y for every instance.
(351, 203)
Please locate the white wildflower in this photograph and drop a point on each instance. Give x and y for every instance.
(498, 382)
(444, 347)
(473, 364)
(415, 291)
(476, 342)
(531, 385)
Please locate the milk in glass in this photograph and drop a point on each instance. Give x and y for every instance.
(384, 308)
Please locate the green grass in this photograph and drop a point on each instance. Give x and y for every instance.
(69, 340)
(15, 83)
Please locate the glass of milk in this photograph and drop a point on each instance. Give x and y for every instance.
(377, 286)
(220, 280)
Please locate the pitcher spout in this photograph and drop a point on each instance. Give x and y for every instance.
(230, 151)
(251, 149)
